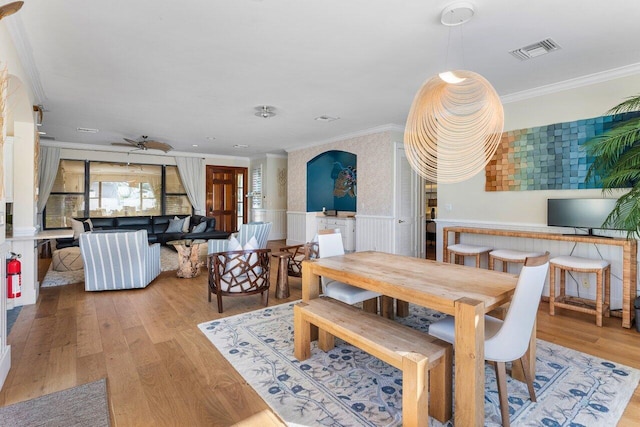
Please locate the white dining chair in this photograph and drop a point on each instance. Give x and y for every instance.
(508, 340)
(330, 244)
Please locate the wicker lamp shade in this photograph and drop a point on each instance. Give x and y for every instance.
(453, 129)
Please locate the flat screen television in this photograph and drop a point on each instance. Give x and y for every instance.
(579, 213)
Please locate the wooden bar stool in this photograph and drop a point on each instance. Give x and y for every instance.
(600, 267)
(461, 250)
(508, 255)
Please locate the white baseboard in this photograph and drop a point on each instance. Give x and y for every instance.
(5, 365)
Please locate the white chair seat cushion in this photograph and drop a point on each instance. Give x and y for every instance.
(244, 285)
(347, 293)
(578, 262)
(461, 248)
(445, 330)
(513, 255)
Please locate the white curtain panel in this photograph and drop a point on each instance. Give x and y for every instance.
(190, 169)
(48, 169)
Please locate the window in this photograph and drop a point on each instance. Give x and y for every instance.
(177, 201)
(114, 189)
(256, 188)
(240, 198)
(124, 189)
(67, 194)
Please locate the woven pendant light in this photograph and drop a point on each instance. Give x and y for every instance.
(456, 119)
(453, 129)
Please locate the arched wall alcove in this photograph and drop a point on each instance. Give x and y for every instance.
(331, 181)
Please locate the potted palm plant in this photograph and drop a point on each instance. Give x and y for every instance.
(616, 165)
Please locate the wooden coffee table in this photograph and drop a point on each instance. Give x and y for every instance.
(188, 257)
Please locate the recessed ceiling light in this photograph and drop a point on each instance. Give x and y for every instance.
(41, 133)
(241, 146)
(326, 118)
(87, 130)
(194, 145)
(210, 138)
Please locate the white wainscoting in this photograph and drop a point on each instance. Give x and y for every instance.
(374, 233)
(5, 349)
(301, 227)
(576, 287)
(277, 218)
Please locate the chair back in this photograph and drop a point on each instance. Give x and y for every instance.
(330, 243)
(119, 260)
(239, 272)
(259, 230)
(512, 340)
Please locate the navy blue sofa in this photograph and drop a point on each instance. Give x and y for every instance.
(156, 227)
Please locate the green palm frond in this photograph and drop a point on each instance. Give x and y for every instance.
(631, 104)
(616, 164)
(608, 148)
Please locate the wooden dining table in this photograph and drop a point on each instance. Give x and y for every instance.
(464, 292)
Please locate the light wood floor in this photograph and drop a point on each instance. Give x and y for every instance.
(162, 370)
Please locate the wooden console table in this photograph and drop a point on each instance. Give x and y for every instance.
(629, 256)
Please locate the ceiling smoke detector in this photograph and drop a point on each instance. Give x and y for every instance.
(265, 111)
(536, 49)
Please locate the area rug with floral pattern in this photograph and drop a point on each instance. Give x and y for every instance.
(348, 387)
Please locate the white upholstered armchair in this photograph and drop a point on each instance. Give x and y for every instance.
(122, 260)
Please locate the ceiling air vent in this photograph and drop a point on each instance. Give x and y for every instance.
(540, 48)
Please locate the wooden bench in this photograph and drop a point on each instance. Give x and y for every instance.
(425, 361)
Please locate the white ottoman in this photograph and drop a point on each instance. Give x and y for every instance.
(67, 259)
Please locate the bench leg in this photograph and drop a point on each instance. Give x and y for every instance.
(440, 379)
(301, 335)
(326, 341)
(415, 390)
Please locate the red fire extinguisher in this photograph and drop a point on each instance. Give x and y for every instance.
(14, 276)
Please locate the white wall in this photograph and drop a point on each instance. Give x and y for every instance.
(375, 172)
(469, 201)
(274, 197)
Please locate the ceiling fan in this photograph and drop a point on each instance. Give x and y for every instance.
(145, 144)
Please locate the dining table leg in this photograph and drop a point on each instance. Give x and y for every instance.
(469, 362)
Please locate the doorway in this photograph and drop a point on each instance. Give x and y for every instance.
(226, 196)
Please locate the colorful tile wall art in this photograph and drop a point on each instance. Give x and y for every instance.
(548, 157)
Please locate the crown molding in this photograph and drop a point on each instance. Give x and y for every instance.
(590, 79)
(110, 149)
(390, 127)
(23, 48)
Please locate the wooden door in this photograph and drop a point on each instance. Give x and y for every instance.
(226, 196)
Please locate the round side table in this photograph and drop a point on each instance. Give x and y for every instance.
(282, 283)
